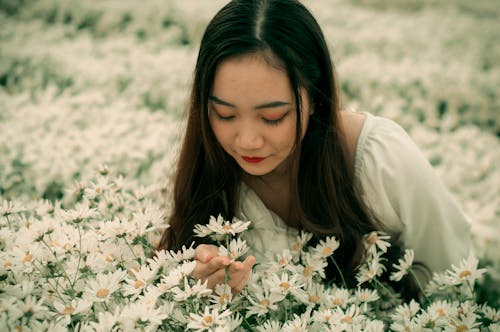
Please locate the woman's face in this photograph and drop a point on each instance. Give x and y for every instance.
(253, 114)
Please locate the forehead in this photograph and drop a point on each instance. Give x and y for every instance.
(250, 75)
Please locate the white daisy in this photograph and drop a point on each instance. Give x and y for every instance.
(315, 293)
(208, 319)
(198, 290)
(174, 277)
(103, 286)
(219, 226)
(137, 316)
(327, 247)
(222, 295)
(370, 270)
(374, 326)
(269, 326)
(376, 241)
(263, 301)
(338, 297)
(298, 324)
(142, 278)
(10, 207)
(463, 324)
(347, 318)
(73, 307)
(284, 284)
(237, 248)
(406, 311)
(312, 266)
(467, 271)
(324, 315)
(442, 311)
(79, 213)
(302, 239)
(106, 321)
(404, 266)
(364, 295)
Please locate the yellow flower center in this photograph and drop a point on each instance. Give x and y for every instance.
(285, 285)
(27, 258)
(337, 301)
(296, 246)
(207, 320)
(68, 310)
(282, 261)
(223, 298)
(54, 244)
(227, 227)
(264, 302)
(19, 328)
(347, 319)
(102, 293)
(327, 251)
(7, 264)
(441, 312)
(462, 328)
(465, 274)
(109, 258)
(138, 284)
(308, 271)
(372, 239)
(314, 298)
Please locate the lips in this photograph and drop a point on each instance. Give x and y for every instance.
(252, 159)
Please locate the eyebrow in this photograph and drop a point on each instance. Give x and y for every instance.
(272, 104)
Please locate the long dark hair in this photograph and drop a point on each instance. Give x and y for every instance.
(324, 196)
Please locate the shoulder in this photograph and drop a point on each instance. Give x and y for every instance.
(352, 123)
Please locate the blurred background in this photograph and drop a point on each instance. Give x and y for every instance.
(85, 83)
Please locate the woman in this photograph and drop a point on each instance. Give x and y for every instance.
(266, 141)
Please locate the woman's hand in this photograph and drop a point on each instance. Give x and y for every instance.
(212, 267)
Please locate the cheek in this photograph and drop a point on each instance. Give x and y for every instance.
(221, 134)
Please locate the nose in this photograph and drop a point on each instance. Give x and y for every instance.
(249, 138)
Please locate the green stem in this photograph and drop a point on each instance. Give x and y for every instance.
(419, 285)
(387, 290)
(51, 286)
(340, 272)
(131, 250)
(8, 222)
(65, 274)
(79, 254)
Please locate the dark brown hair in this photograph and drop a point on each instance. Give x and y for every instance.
(324, 198)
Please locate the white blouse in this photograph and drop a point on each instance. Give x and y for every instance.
(398, 184)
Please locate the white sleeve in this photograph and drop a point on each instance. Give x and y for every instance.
(405, 193)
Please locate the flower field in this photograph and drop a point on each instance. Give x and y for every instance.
(92, 97)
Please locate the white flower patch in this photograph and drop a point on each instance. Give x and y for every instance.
(94, 268)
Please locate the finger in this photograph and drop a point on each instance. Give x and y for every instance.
(245, 274)
(216, 278)
(205, 252)
(204, 270)
(240, 273)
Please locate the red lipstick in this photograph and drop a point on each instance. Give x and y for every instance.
(252, 159)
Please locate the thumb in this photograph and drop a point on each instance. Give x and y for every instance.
(205, 252)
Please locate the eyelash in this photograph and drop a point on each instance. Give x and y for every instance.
(266, 121)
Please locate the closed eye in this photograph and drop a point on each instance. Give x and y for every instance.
(275, 122)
